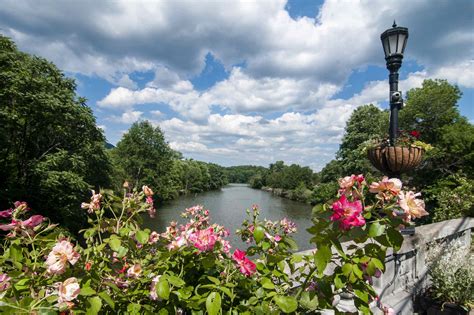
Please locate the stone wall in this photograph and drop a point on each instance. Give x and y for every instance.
(405, 271)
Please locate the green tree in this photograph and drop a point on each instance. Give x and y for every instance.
(143, 157)
(429, 108)
(51, 151)
(366, 122)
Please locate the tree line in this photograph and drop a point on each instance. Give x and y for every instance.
(445, 178)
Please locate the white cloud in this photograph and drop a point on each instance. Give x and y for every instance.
(127, 117)
(307, 139)
(239, 93)
(126, 82)
(462, 73)
(111, 39)
(292, 67)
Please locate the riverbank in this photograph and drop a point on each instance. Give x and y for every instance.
(301, 195)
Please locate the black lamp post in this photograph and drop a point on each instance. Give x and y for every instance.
(394, 41)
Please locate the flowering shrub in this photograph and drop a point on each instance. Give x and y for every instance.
(191, 268)
(451, 272)
(404, 139)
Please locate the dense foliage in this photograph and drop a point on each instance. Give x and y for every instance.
(51, 151)
(143, 156)
(53, 154)
(190, 176)
(446, 173)
(191, 268)
(243, 173)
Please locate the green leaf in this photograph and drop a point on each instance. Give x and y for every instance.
(287, 304)
(296, 259)
(87, 291)
(338, 282)
(319, 208)
(163, 289)
(376, 229)
(267, 283)
(291, 243)
(122, 251)
(214, 280)
(309, 301)
(357, 271)
(142, 237)
(95, 305)
(371, 268)
(115, 243)
(258, 234)
(184, 293)
(363, 295)
(176, 281)
(134, 308)
(322, 258)
(226, 291)
(347, 269)
(213, 303)
(15, 253)
(378, 264)
(395, 238)
(106, 297)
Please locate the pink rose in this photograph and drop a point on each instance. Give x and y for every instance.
(386, 188)
(153, 294)
(204, 240)
(147, 191)
(68, 290)
(94, 204)
(413, 207)
(348, 213)
(6, 213)
(62, 253)
(4, 282)
(134, 271)
(247, 267)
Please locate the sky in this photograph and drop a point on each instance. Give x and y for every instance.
(243, 82)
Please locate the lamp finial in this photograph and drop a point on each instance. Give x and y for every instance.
(394, 24)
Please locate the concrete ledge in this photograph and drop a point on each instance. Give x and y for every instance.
(405, 271)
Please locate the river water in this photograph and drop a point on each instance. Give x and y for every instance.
(227, 207)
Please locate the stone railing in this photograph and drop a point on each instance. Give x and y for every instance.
(405, 271)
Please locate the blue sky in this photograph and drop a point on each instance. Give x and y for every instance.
(242, 82)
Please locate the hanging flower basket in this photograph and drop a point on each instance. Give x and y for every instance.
(395, 159)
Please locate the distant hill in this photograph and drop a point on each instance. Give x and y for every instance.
(109, 146)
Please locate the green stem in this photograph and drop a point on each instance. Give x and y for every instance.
(306, 281)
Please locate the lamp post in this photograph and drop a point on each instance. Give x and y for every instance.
(394, 159)
(394, 41)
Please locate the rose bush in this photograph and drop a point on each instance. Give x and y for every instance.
(191, 268)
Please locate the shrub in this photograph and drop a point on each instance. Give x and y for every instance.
(451, 272)
(190, 268)
(452, 198)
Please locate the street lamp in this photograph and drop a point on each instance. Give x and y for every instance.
(394, 41)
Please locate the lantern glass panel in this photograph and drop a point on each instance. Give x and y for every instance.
(385, 46)
(392, 39)
(401, 43)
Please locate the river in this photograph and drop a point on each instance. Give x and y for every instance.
(227, 207)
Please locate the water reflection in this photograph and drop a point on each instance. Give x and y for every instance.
(227, 207)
